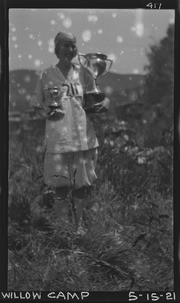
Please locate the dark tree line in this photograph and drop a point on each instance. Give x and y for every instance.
(159, 80)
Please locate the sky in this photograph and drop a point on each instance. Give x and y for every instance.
(124, 35)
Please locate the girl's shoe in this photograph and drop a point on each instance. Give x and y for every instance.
(81, 229)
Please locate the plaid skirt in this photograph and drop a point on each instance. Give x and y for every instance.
(70, 169)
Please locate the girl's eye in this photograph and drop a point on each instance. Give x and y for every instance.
(69, 45)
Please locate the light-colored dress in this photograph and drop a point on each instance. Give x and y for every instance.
(71, 142)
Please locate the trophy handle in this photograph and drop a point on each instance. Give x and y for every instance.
(79, 58)
(85, 64)
(108, 68)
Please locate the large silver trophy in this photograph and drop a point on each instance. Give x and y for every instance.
(97, 65)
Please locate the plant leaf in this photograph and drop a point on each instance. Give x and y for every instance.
(139, 238)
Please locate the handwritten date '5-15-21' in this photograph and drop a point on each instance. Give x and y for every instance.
(154, 296)
(154, 5)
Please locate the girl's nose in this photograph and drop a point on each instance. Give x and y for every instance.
(70, 48)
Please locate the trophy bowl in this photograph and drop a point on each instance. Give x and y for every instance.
(96, 65)
(53, 93)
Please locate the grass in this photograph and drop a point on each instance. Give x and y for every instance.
(129, 239)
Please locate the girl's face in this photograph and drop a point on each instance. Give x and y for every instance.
(67, 50)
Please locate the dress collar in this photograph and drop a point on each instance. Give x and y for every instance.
(69, 76)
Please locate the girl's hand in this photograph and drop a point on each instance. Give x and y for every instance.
(103, 106)
(100, 107)
(40, 112)
(55, 114)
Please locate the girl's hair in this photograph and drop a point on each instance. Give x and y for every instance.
(56, 49)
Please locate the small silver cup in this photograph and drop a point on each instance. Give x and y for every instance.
(54, 94)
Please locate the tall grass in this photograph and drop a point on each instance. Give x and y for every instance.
(128, 218)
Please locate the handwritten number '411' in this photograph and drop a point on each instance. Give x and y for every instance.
(154, 5)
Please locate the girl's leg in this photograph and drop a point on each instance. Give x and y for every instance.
(70, 212)
(79, 200)
(61, 204)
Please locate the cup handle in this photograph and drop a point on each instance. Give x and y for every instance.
(79, 56)
(107, 69)
(85, 67)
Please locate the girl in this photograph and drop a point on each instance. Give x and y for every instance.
(70, 139)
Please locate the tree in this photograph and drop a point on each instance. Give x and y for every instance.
(159, 90)
(159, 80)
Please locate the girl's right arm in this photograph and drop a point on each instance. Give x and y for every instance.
(37, 100)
